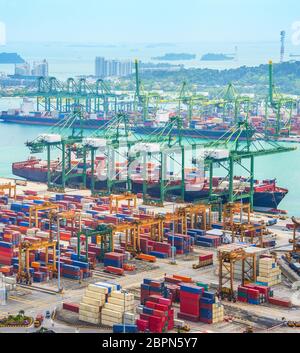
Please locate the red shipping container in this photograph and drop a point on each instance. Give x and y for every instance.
(280, 302)
(190, 308)
(161, 307)
(159, 313)
(155, 298)
(155, 284)
(173, 280)
(150, 304)
(206, 321)
(145, 317)
(253, 293)
(242, 300)
(171, 325)
(142, 325)
(192, 318)
(71, 307)
(115, 270)
(189, 296)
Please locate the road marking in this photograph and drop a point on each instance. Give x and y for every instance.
(21, 300)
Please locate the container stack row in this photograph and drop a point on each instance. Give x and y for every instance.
(118, 308)
(269, 272)
(254, 294)
(199, 305)
(91, 304)
(183, 243)
(157, 315)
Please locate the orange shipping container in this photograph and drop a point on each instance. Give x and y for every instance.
(147, 258)
(35, 265)
(183, 279)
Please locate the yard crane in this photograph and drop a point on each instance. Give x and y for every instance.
(34, 212)
(24, 276)
(242, 229)
(12, 189)
(228, 257)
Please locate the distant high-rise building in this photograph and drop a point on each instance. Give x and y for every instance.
(41, 69)
(100, 67)
(112, 68)
(22, 69)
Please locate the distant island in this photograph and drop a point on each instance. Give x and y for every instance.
(160, 45)
(245, 79)
(80, 45)
(175, 57)
(11, 58)
(216, 57)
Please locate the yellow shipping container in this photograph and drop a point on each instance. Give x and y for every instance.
(94, 302)
(101, 290)
(95, 295)
(119, 308)
(89, 320)
(120, 296)
(89, 314)
(111, 320)
(111, 313)
(121, 302)
(89, 308)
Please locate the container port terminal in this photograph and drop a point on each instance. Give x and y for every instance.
(116, 254)
(112, 232)
(129, 214)
(149, 175)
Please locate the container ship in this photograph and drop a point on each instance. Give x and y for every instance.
(267, 195)
(212, 128)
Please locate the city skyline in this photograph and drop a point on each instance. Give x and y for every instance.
(166, 21)
(112, 68)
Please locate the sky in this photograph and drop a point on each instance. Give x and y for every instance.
(146, 21)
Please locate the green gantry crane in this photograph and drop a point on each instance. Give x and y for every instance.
(279, 104)
(240, 150)
(61, 139)
(54, 95)
(103, 236)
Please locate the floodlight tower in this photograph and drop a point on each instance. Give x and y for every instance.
(282, 51)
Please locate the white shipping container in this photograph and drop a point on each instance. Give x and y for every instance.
(50, 138)
(95, 142)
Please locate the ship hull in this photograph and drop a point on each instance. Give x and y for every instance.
(212, 134)
(266, 200)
